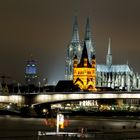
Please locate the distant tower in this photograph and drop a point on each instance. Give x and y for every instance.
(109, 55)
(74, 48)
(84, 74)
(31, 71)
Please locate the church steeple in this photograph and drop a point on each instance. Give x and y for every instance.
(84, 62)
(84, 74)
(109, 49)
(87, 30)
(109, 55)
(88, 41)
(75, 33)
(74, 48)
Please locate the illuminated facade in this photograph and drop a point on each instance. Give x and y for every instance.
(84, 73)
(116, 76)
(31, 72)
(109, 75)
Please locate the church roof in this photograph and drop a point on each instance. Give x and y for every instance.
(113, 68)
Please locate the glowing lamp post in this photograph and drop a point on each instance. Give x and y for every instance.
(59, 122)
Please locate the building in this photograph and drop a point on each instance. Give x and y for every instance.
(120, 77)
(31, 72)
(84, 73)
(116, 76)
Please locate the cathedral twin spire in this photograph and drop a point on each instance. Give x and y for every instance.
(87, 31)
(75, 33)
(88, 41)
(87, 38)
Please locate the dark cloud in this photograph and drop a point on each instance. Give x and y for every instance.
(44, 27)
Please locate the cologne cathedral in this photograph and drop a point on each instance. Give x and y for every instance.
(81, 66)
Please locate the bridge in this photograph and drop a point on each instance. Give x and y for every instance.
(50, 97)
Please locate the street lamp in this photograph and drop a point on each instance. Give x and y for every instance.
(39, 85)
(59, 122)
(18, 88)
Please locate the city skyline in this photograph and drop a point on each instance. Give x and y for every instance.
(44, 29)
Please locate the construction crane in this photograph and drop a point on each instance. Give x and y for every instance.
(3, 77)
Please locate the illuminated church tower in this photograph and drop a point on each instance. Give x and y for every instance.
(84, 74)
(31, 72)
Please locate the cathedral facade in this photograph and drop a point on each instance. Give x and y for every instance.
(119, 77)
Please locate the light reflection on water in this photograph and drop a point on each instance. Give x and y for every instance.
(17, 128)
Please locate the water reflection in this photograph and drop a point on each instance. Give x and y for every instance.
(17, 128)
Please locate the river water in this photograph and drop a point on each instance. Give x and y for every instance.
(17, 128)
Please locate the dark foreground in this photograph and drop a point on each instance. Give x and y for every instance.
(98, 128)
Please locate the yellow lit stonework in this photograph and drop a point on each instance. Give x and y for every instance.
(84, 73)
(85, 78)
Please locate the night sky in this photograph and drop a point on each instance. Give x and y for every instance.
(43, 28)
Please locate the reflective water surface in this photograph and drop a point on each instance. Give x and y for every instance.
(17, 128)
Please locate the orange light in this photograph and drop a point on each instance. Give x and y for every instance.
(62, 125)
